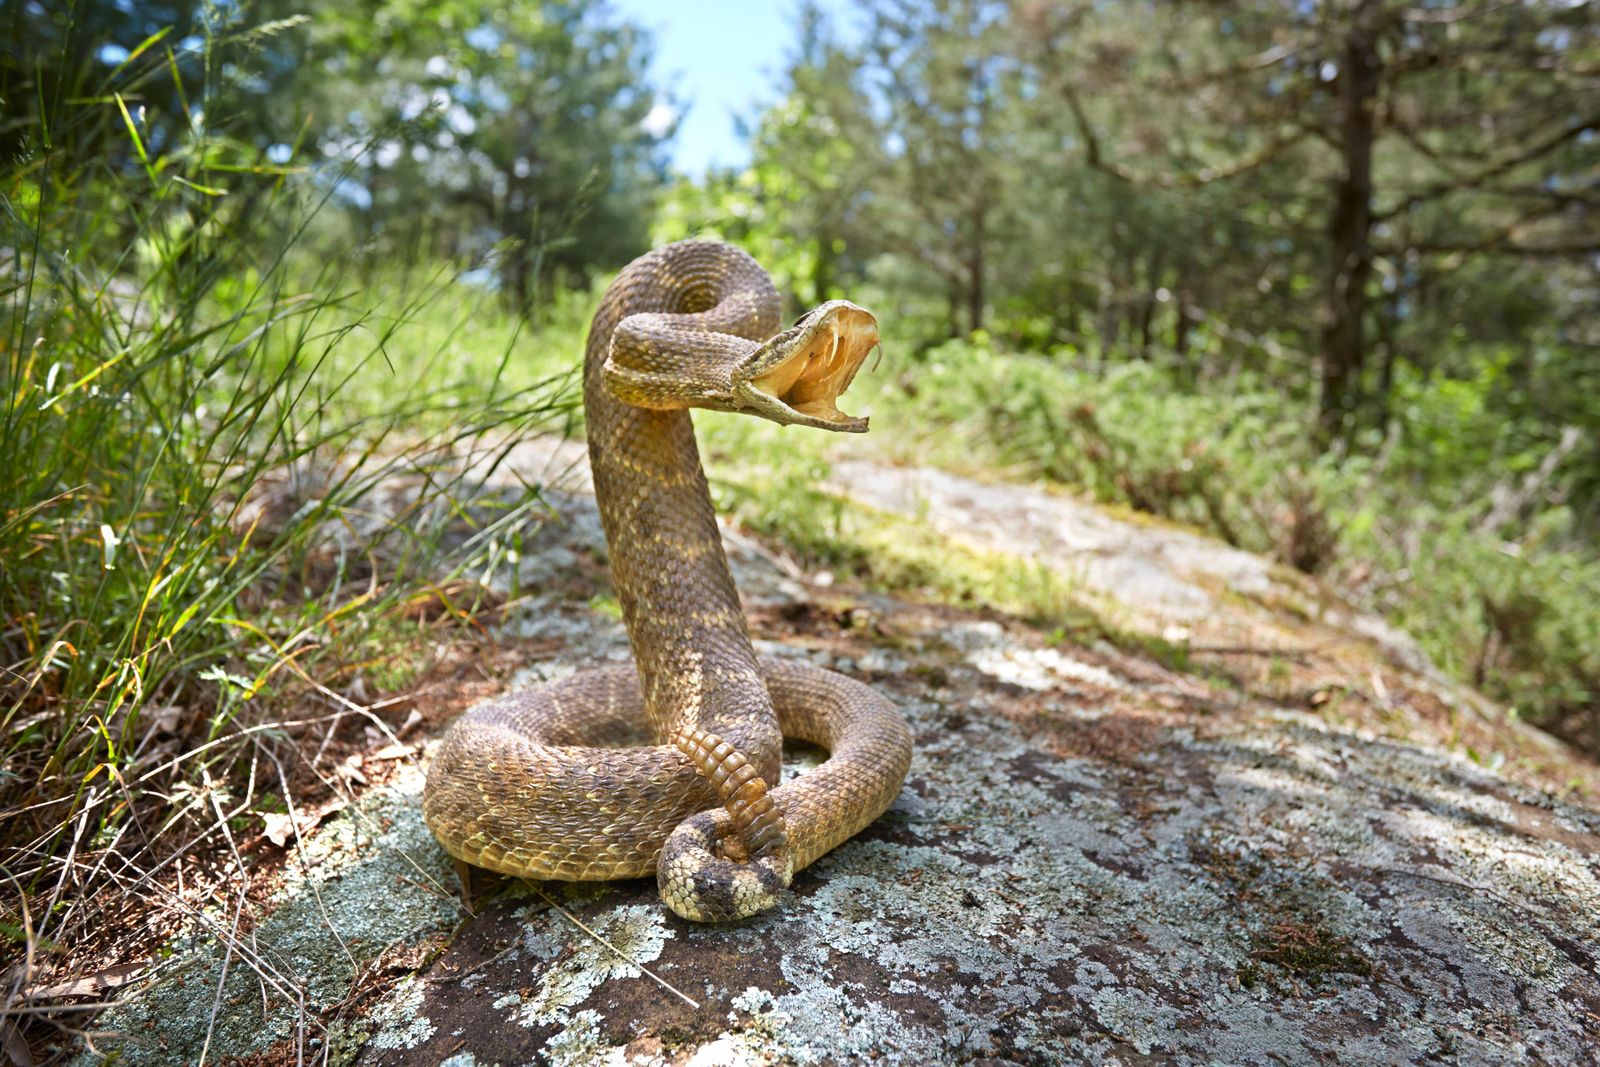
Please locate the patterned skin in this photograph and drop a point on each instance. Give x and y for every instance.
(668, 765)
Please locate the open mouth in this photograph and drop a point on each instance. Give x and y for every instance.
(833, 342)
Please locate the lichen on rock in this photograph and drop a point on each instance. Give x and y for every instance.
(1092, 861)
(370, 879)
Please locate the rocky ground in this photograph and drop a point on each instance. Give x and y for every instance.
(1278, 851)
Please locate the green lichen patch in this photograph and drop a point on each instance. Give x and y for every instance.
(372, 880)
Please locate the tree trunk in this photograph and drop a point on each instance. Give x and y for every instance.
(1350, 267)
(1389, 349)
(822, 272)
(520, 277)
(976, 295)
(521, 268)
(1183, 331)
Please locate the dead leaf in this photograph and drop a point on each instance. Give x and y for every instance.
(351, 768)
(392, 752)
(91, 985)
(16, 1046)
(279, 827)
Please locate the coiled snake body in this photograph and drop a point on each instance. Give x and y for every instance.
(617, 772)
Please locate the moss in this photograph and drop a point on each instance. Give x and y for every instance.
(1225, 864)
(1309, 951)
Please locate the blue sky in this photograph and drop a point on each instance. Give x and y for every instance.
(719, 58)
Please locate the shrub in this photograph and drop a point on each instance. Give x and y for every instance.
(1417, 524)
(193, 425)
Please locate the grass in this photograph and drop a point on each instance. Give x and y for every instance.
(1506, 601)
(233, 508)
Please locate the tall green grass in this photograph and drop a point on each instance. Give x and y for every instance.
(227, 468)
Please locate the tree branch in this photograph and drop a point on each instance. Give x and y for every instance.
(1553, 250)
(1268, 152)
(1494, 170)
(1445, 16)
(1271, 57)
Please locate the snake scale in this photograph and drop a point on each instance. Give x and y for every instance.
(671, 764)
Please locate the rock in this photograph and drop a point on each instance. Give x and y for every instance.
(1258, 892)
(370, 880)
(1167, 580)
(1095, 860)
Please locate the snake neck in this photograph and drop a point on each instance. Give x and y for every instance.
(682, 611)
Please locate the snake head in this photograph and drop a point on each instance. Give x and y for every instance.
(796, 377)
(667, 361)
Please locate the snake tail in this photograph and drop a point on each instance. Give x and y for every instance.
(758, 825)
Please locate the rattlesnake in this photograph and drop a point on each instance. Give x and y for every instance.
(542, 783)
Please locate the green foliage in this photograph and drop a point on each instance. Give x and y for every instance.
(523, 128)
(51, 63)
(527, 131)
(194, 419)
(1418, 530)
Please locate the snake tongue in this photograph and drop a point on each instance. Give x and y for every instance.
(818, 363)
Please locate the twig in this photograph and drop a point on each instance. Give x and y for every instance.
(305, 865)
(1297, 654)
(258, 962)
(327, 737)
(54, 1009)
(451, 979)
(222, 980)
(237, 736)
(1527, 909)
(1508, 503)
(680, 994)
(26, 975)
